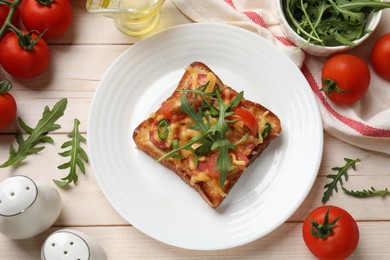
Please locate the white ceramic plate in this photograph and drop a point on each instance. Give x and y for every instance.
(152, 198)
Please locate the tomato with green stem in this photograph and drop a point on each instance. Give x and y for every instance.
(53, 17)
(380, 57)
(330, 232)
(345, 78)
(8, 106)
(24, 54)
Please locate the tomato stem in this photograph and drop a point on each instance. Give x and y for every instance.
(330, 86)
(13, 5)
(323, 230)
(45, 2)
(25, 39)
(5, 85)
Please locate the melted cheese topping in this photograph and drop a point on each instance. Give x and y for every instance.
(178, 130)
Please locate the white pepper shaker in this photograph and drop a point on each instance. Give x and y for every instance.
(71, 244)
(27, 208)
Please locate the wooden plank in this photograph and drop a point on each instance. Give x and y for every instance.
(124, 242)
(100, 212)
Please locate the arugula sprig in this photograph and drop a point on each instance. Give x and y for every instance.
(367, 193)
(337, 178)
(212, 137)
(37, 135)
(331, 22)
(77, 156)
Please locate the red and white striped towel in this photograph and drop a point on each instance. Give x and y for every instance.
(365, 124)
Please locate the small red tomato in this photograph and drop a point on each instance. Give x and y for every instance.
(345, 78)
(330, 233)
(380, 57)
(55, 16)
(23, 62)
(248, 118)
(7, 104)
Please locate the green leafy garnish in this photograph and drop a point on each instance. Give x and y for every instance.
(37, 135)
(336, 178)
(367, 193)
(77, 156)
(211, 137)
(331, 22)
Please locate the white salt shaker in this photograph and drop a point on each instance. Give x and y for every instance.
(27, 208)
(71, 244)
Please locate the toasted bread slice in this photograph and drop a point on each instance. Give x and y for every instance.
(251, 127)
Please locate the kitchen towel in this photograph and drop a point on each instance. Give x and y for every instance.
(365, 124)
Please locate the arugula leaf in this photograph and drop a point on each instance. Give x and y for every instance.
(367, 193)
(77, 156)
(199, 124)
(37, 135)
(330, 22)
(223, 161)
(213, 137)
(336, 178)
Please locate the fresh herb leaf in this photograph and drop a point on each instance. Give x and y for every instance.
(331, 22)
(37, 135)
(77, 156)
(223, 161)
(367, 193)
(336, 178)
(212, 137)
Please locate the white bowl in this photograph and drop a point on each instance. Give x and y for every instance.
(319, 50)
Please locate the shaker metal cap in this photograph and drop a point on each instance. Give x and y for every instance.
(17, 194)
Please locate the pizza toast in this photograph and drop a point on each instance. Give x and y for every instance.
(207, 133)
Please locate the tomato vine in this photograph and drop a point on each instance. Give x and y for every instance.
(26, 40)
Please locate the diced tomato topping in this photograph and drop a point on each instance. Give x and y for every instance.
(248, 118)
(171, 110)
(167, 108)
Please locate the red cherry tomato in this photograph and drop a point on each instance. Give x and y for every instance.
(345, 78)
(380, 57)
(248, 118)
(7, 105)
(55, 17)
(20, 62)
(333, 241)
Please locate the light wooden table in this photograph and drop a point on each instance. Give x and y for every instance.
(79, 60)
